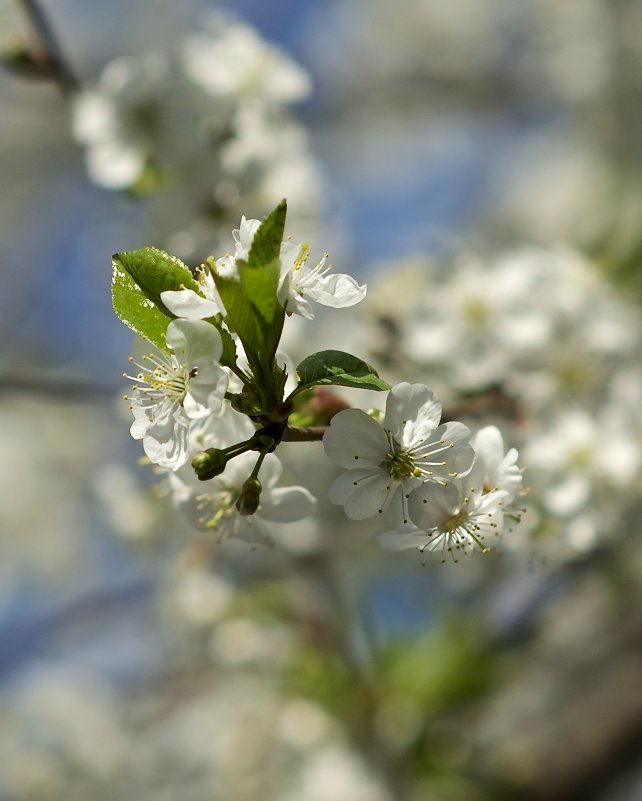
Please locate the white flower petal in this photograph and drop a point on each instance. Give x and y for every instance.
(192, 340)
(165, 441)
(489, 444)
(431, 505)
(285, 504)
(354, 439)
(362, 493)
(206, 392)
(141, 419)
(337, 290)
(244, 236)
(402, 540)
(188, 304)
(412, 412)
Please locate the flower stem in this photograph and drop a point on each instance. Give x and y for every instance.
(303, 434)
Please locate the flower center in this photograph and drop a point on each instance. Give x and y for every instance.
(574, 376)
(477, 312)
(302, 257)
(581, 458)
(214, 509)
(160, 378)
(399, 465)
(458, 521)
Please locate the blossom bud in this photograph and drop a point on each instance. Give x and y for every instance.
(248, 501)
(210, 463)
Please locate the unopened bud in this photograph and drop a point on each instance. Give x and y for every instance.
(210, 463)
(248, 501)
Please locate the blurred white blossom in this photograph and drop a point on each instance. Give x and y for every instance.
(200, 131)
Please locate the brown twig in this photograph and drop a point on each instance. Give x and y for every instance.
(303, 434)
(47, 61)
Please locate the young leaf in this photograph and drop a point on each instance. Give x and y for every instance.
(242, 317)
(338, 368)
(135, 309)
(156, 271)
(228, 357)
(260, 285)
(266, 245)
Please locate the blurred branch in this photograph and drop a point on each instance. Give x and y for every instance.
(492, 400)
(73, 390)
(327, 612)
(46, 61)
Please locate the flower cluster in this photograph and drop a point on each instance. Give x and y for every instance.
(440, 491)
(214, 400)
(547, 344)
(298, 283)
(212, 359)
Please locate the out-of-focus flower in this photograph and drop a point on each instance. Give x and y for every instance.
(334, 773)
(212, 504)
(229, 59)
(500, 468)
(213, 108)
(475, 326)
(121, 120)
(585, 467)
(554, 347)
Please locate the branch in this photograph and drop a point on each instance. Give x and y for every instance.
(49, 61)
(72, 390)
(304, 434)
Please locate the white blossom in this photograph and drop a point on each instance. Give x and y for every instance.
(452, 519)
(243, 237)
(117, 118)
(584, 457)
(152, 118)
(474, 328)
(171, 390)
(228, 59)
(500, 468)
(386, 462)
(300, 284)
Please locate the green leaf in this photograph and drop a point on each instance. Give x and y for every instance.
(156, 271)
(228, 357)
(260, 285)
(338, 368)
(266, 245)
(252, 307)
(261, 273)
(135, 309)
(242, 317)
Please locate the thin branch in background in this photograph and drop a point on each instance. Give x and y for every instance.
(69, 390)
(47, 60)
